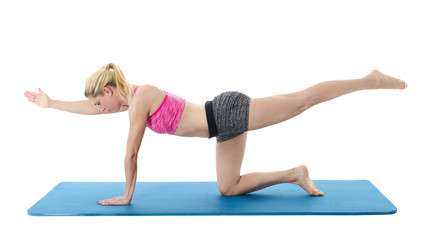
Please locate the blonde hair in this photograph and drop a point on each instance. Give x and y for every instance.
(108, 75)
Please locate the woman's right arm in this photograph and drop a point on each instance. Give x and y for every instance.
(43, 100)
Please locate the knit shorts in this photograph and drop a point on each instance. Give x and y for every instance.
(228, 115)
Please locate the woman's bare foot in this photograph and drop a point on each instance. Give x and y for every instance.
(383, 81)
(302, 178)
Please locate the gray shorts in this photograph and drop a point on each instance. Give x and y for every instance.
(228, 115)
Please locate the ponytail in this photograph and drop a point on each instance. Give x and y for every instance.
(108, 75)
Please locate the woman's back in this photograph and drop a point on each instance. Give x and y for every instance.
(190, 119)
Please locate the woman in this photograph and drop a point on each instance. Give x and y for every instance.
(228, 117)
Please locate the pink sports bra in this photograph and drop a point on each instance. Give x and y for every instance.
(166, 119)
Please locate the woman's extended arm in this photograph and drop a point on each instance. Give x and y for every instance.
(43, 100)
(136, 133)
(138, 112)
(80, 107)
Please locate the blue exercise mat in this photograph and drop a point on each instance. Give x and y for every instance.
(357, 197)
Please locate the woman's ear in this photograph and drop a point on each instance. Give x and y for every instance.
(108, 90)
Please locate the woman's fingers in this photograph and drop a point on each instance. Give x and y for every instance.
(30, 96)
(114, 201)
(105, 202)
(29, 92)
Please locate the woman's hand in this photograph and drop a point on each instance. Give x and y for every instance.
(122, 200)
(40, 99)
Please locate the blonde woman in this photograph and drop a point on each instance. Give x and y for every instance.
(228, 117)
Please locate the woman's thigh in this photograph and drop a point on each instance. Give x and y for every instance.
(229, 157)
(275, 109)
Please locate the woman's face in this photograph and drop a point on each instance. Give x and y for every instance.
(108, 102)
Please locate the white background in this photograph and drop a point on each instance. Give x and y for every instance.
(197, 49)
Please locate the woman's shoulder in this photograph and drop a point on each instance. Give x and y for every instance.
(147, 88)
(148, 92)
(147, 95)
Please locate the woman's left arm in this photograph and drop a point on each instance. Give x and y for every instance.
(138, 111)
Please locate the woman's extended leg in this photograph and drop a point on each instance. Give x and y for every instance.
(229, 157)
(271, 110)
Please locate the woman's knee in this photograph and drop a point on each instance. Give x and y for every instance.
(226, 189)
